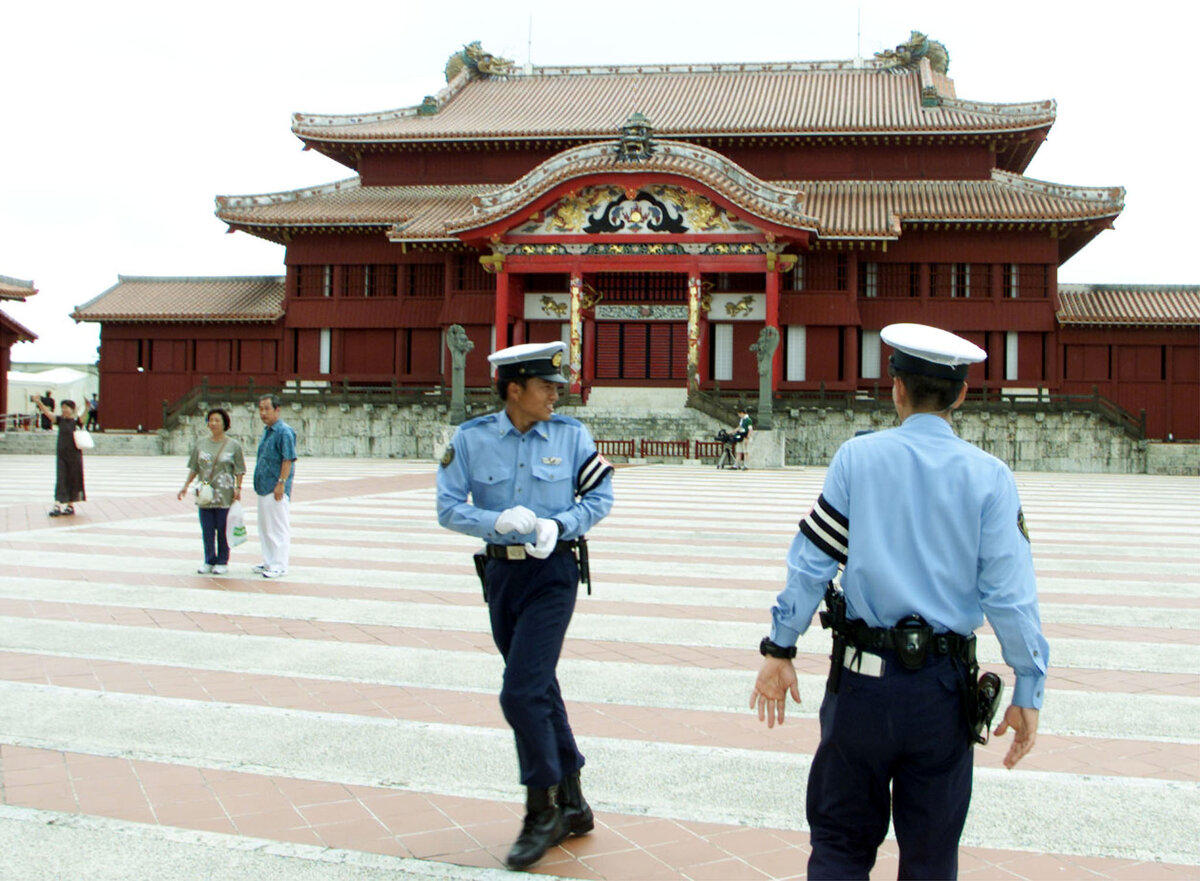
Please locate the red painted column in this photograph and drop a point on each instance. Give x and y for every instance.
(773, 321)
(501, 317)
(5, 366)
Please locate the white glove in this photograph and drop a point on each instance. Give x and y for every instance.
(518, 519)
(547, 538)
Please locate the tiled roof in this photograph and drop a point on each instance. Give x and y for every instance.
(841, 209)
(15, 288)
(348, 204)
(23, 333)
(192, 300)
(1113, 304)
(797, 98)
(876, 209)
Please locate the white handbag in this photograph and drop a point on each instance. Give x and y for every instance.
(83, 439)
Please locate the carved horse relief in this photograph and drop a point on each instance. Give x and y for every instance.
(552, 307)
(744, 306)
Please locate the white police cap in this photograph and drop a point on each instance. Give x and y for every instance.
(930, 351)
(531, 359)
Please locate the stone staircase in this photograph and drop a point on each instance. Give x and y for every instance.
(637, 414)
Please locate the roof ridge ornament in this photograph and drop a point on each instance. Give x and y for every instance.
(908, 55)
(477, 63)
(635, 144)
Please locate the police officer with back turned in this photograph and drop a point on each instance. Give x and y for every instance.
(536, 485)
(931, 536)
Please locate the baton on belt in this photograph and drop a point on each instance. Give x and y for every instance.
(585, 571)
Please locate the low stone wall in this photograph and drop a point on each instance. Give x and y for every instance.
(416, 431)
(1037, 441)
(1182, 460)
(108, 443)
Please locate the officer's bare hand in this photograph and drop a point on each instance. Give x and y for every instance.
(517, 519)
(1024, 723)
(547, 538)
(776, 678)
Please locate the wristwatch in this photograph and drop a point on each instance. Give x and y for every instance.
(768, 649)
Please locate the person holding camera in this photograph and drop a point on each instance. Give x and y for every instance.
(741, 436)
(68, 482)
(220, 464)
(931, 534)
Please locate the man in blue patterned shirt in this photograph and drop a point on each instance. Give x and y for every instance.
(274, 469)
(529, 482)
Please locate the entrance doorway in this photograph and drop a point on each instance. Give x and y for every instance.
(632, 343)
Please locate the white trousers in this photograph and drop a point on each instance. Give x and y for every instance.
(275, 530)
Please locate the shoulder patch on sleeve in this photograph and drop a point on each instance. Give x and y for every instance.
(1021, 523)
(448, 456)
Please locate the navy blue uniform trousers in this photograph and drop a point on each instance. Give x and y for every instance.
(530, 602)
(904, 729)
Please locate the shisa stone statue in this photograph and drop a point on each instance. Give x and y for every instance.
(764, 348)
(459, 345)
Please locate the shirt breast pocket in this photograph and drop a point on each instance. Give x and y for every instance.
(491, 482)
(552, 484)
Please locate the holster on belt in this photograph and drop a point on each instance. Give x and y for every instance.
(834, 618)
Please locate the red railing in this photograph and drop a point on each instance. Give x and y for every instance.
(680, 449)
(615, 448)
(708, 449)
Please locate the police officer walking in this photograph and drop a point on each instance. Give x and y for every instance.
(931, 536)
(530, 483)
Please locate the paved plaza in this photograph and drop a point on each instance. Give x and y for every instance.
(342, 722)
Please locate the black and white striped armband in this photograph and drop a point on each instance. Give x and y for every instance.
(594, 470)
(828, 529)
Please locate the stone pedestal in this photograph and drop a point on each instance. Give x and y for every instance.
(767, 450)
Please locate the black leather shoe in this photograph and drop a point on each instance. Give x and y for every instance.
(543, 828)
(577, 813)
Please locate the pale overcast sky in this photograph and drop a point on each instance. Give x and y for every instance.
(122, 120)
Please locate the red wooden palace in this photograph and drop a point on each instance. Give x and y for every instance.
(11, 332)
(657, 218)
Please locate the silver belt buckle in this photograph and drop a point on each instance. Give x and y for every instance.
(514, 552)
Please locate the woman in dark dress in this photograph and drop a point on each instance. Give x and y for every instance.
(68, 487)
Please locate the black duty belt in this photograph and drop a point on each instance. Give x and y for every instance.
(518, 552)
(893, 639)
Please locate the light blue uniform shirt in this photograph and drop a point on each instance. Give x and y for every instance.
(924, 523)
(543, 470)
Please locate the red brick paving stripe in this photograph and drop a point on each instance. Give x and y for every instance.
(597, 606)
(1054, 753)
(453, 829)
(1112, 681)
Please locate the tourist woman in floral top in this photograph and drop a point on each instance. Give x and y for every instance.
(219, 462)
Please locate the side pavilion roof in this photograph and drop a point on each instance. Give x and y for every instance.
(15, 288)
(219, 299)
(1129, 305)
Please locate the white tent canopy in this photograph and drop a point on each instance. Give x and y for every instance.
(64, 384)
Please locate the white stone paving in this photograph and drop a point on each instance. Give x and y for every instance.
(1139, 536)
